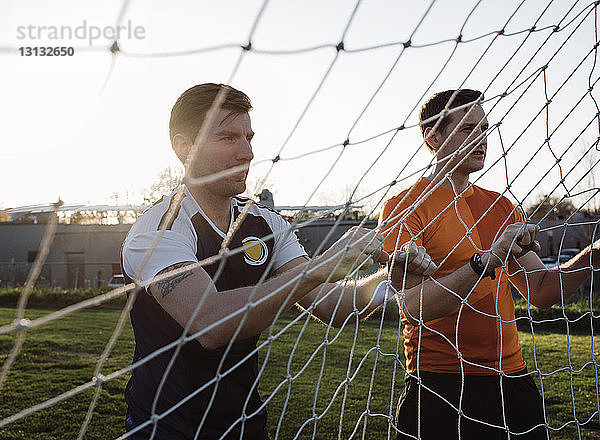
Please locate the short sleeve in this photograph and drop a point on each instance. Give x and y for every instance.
(396, 227)
(165, 248)
(517, 216)
(286, 243)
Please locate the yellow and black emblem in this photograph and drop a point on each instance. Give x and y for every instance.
(255, 251)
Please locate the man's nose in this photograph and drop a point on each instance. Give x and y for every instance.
(245, 150)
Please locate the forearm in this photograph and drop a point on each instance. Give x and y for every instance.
(556, 285)
(332, 303)
(433, 299)
(239, 313)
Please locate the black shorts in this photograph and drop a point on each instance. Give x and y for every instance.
(481, 400)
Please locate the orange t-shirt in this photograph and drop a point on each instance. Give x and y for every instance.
(451, 228)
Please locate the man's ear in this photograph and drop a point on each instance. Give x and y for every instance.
(181, 146)
(432, 138)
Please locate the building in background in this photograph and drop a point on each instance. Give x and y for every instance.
(86, 248)
(86, 253)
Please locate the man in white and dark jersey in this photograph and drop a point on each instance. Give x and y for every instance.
(240, 294)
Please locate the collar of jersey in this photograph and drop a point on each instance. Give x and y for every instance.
(196, 208)
(467, 193)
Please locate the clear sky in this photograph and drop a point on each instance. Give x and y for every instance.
(74, 127)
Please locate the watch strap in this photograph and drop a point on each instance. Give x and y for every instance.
(479, 268)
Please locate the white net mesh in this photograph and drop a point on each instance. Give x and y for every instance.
(352, 97)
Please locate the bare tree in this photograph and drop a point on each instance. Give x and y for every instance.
(589, 164)
(167, 180)
(550, 208)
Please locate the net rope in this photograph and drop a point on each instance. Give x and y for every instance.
(516, 90)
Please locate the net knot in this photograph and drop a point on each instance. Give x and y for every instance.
(224, 252)
(276, 159)
(459, 38)
(346, 143)
(393, 182)
(556, 28)
(98, 380)
(248, 46)
(532, 28)
(340, 46)
(500, 32)
(402, 127)
(22, 324)
(504, 95)
(114, 48)
(407, 44)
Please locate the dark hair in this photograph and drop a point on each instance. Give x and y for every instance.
(191, 107)
(437, 103)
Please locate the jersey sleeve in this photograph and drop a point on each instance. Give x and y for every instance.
(517, 215)
(147, 253)
(396, 227)
(286, 244)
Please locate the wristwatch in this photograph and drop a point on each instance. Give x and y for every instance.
(479, 268)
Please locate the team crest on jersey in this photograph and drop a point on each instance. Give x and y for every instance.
(255, 251)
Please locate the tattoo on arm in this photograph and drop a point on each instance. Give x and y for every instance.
(167, 285)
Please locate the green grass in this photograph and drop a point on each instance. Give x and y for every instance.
(63, 354)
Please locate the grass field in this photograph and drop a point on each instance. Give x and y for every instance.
(62, 355)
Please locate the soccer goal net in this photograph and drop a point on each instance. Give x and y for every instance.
(336, 90)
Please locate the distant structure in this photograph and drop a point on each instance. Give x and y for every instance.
(74, 213)
(85, 249)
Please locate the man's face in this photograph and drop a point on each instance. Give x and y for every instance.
(228, 145)
(469, 136)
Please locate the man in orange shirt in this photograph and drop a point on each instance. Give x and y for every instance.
(465, 369)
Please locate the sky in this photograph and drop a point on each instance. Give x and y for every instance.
(91, 125)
